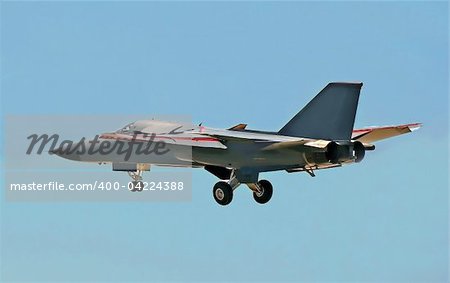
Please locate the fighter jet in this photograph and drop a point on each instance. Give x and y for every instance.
(320, 136)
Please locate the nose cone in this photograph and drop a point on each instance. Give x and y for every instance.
(67, 151)
(54, 151)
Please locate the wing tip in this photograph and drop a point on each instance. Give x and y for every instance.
(414, 127)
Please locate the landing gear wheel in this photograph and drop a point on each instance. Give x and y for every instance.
(266, 192)
(223, 193)
(139, 186)
(136, 186)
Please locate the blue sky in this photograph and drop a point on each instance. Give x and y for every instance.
(224, 63)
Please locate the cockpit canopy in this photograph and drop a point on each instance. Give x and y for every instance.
(154, 126)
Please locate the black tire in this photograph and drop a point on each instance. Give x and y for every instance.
(266, 194)
(223, 193)
(132, 186)
(136, 186)
(140, 186)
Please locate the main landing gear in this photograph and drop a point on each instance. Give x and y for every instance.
(223, 191)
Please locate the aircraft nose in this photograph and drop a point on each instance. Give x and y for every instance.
(66, 151)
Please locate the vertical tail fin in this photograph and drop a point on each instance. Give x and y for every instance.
(329, 116)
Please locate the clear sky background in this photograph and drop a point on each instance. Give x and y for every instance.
(385, 219)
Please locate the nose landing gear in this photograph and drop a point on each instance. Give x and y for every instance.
(136, 185)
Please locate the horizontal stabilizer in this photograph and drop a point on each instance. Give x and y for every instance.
(373, 134)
